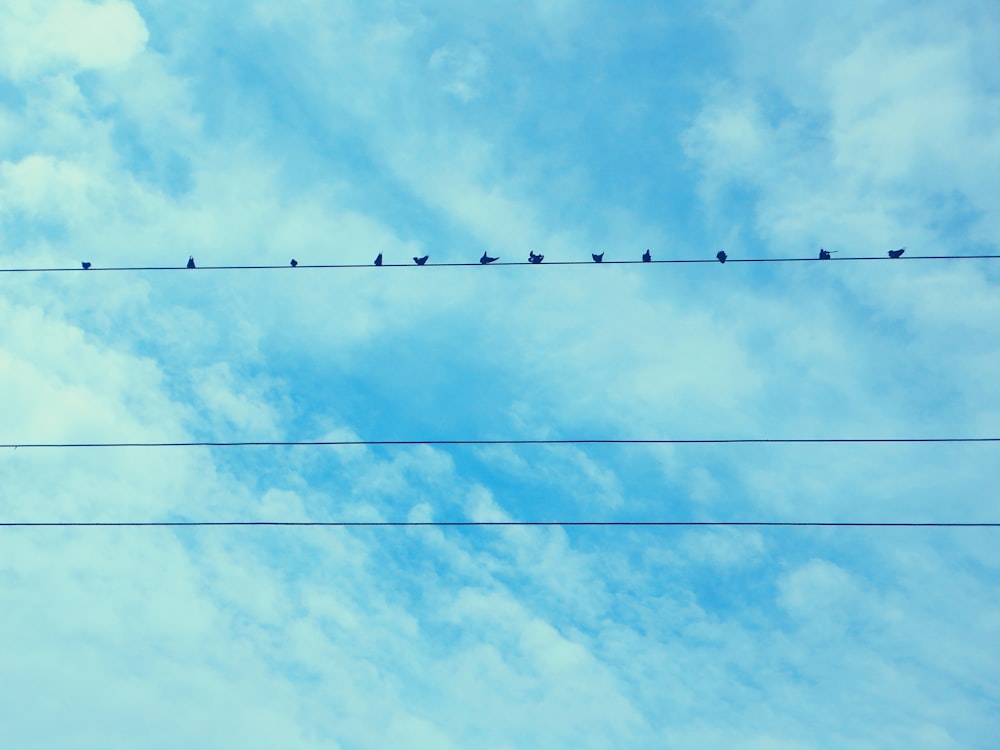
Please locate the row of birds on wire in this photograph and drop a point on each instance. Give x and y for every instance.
(536, 258)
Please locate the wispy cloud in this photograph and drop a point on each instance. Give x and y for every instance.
(142, 133)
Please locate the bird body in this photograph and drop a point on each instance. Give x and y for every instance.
(294, 263)
(824, 254)
(421, 261)
(597, 258)
(897, 253)
(647, 257)
(86, 265)
(378, 259)
(535, 258)
(487, 259)
(721, 255)
(191, 262)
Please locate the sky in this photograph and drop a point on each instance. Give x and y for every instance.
(141, 132)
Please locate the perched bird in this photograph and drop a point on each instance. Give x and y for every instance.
(721, 255)
(378, 259)
(897, 253)
(824, 254)
(597, 258)
(421, 261)
(85, 264)
(487, 259)
(533, 258)
(191, 261)
(647, 257)
(294, 262)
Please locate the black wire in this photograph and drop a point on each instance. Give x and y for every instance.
(585, 441)
(401, 524)
(301, 266)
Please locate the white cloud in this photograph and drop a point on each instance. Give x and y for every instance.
(336, 147)
(819, 591)
(249, 413)
(37, 38)
(740, 549)
(460, 69)
(878, 122)
(45, 187)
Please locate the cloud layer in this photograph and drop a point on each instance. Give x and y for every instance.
(141, 133)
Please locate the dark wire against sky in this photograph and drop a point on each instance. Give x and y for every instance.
(568, 441)
(430, 264)
(484, 524)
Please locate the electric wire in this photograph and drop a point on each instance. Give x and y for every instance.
(665, 261)
(482, 524)
(488, 442)
(477, 442)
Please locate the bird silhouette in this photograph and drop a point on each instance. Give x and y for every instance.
(85, 264)
(825, 254)
(421, 261)
(597, 258)
(294, 263)
(378, 259)
(533, 258)
(647, 257)
(190, 261)
(486, 259)
(721, 255)
(897, 253)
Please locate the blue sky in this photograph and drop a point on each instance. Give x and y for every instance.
(138, 133)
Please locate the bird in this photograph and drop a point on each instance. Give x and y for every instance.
(294, 263)
(378, 259)
(533, 258)
(191, 261)
(421, 261)
(825, 254)
(85, 264)
(597, 258)
(897, 253)
(647, 257)
(487, 259)
(721, 255)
